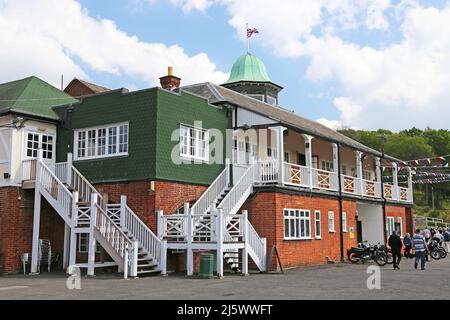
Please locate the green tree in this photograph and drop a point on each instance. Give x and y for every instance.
(406, 147)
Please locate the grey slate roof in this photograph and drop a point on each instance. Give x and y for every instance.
(218, 94)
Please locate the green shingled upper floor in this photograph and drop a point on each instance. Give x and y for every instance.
(32, 96)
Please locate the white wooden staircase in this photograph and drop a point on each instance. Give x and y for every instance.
(129, 242)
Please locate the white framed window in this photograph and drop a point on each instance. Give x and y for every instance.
(390, 225)
(317, 224)
(297, 224)
(344, 221)
(286, 156)
(259, 97)
(331, 221)
(36, 141)
(83, 243)
(194, 143)
(101, 142)
(400, 222)
(327, 165)
(271, 100)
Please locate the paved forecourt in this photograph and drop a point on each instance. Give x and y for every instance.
(340, 281)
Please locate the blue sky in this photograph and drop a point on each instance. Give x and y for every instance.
(348, 63)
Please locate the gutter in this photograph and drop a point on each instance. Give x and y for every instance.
(383, 197)
(341, 233)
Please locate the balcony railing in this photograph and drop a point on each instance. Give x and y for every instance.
(29, 170)
(299, 176)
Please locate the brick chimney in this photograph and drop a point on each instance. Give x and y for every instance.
(170, 82)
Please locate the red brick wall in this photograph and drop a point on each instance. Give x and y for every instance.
(167, 196)
(266, 211)
(16, 226)
(396, 212)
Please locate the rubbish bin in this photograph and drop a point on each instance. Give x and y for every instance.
(206, 266)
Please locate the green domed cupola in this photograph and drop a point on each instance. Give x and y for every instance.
(249, 76)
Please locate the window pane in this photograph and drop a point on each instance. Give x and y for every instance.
(286, 228)
(91, 143)
(101, 148)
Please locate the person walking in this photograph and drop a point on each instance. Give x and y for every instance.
(447, 240)
(407, 242)
(420, 248)
(395, 244)
(426, 233)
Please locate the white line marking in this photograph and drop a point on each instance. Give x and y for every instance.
(13, 287)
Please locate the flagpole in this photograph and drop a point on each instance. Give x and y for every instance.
(248, 39)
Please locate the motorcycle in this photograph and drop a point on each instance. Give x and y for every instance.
(389, 256)
(366, 253)
(436, 251)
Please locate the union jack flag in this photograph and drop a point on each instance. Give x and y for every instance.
(250, 32)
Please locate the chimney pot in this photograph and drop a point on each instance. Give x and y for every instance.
(170, 82)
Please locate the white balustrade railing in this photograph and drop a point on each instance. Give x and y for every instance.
(84, 187)
(350, 184)
(83, 217)
(323, 179)
(61, 171)
(116, 239)
(403, 194)
(203, 227)
(139, 230)
(295, 175)
(203, 204)
(371, 188)
(113, 211)
(388, 191)
(173, 227)
(233, 227)
(257, 247)
(239, 193)
(58, 192)
(29, 170)
(267, 171)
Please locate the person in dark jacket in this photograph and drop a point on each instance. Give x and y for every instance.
(395, 243)
(407, 241)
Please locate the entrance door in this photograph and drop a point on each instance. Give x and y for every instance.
(359, 231)
(301, 159)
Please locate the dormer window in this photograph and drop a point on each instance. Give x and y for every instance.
(271, 100)
(259, 97)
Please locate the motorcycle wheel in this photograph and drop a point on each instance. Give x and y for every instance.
(390, 258)
(442, 253)
(435, 254)
(353, 258)
(381, 259)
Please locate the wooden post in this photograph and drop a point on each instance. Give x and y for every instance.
(335, 181)
(134, 259)
(359, 172)
(227, 166)
(308, 158)
(123, 203)
(189, 238)
(66, 246)
(246, 243)
(73, 235)
(36, 216)
(265, 267)
(125, 262)
(163, 263)
(91, 249)
(395, 193)
(280, 152)
(410, 185)
(69, 168)
(160, 224)
(378, 190)
(219, 234)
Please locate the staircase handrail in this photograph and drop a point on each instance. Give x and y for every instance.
(85, 195)
(139, 230)
(203, 204)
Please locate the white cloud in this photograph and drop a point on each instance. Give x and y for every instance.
(189, 5)
(332, 124)
(51, 37)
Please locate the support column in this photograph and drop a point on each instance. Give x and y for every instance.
(308, 158)
(378, 188)
(36, 217)
(280, 152)
(66, 248)
(246, 243)
(395, 194)
(410, 185)
(335, 180)
(160, 224)
(219, 234)
(91, 248)
(69, 168)
(359, 171)
(73, 235)
(190, 230)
